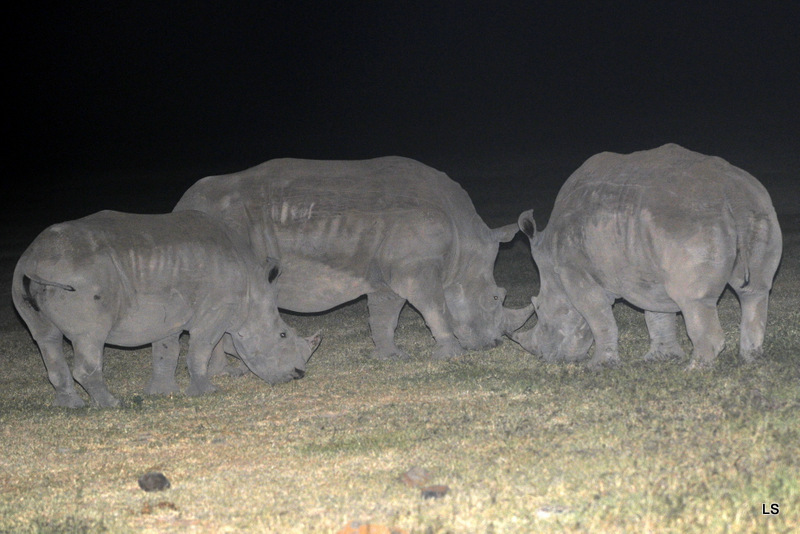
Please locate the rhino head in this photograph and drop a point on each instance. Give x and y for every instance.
(561, 333)
(266, 344)
(475, 302)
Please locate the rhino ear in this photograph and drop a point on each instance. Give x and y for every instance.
(273, 269)
(527, 224)
(505, 233)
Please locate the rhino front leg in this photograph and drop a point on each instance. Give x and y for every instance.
(663, 331)
(606, 338)
(218, 361)
(89, 370)
(447, 345)
(594, 304)
(197, 358)
(384, 311)
(218, 365)
(165, 360)
(423, 289)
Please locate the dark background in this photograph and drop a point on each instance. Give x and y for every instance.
(123, 105)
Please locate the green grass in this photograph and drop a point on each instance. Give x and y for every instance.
(522, 445)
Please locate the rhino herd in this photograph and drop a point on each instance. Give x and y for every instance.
(664, 229)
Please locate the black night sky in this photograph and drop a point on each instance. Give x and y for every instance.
(125, 104)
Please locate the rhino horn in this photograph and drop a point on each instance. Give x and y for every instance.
(513, 319)
(313, 342)
(526, 340)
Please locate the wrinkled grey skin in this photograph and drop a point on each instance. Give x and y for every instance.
(130, 280)
(665, 229)
(391, 228)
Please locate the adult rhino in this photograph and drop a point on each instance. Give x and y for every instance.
(665, 229)
(131, 280)
(391, 228)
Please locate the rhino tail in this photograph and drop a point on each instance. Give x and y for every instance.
(745, 258)
(26, 287)
(742, 248)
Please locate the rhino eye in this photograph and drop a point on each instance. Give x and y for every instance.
(496, 297)
(283, 334)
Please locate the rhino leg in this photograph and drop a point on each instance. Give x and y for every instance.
(88, 370)
(384, 311)
(165, 360)
(606, 338)
(702, 325)
(422, 287)
(50, 342)
(201, 344)
(218, 361)
(663, 337)
(594, 304)
(754, 323)
(218, 365)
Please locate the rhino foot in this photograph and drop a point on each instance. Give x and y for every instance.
(106, 401)
(664, 353)
(699, 365)
(162, 388)
(600, 361)
(395, 354)
(68, 400)
(200, 388)
(751, 356)
(447, 350)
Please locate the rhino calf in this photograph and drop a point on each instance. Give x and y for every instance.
(130, 280)
(666, 230)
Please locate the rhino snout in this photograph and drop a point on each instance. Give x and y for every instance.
(526, 340)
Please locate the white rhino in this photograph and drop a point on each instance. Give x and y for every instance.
(391, 228)
(665, 229)
(130, 280)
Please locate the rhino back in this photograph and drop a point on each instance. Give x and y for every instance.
(329, 220)
(632, 218)
(681, 189)
(290, 190)
(141, 268)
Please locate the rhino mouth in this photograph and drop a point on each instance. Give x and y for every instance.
(298, 373)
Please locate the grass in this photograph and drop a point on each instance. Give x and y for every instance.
(522, 445)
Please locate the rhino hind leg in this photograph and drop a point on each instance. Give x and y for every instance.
(753, 325)
(705, 331)
(50, 341)
(51, 346)
(88, 370)
(663, 331)
(165, 361)
(384, 311)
